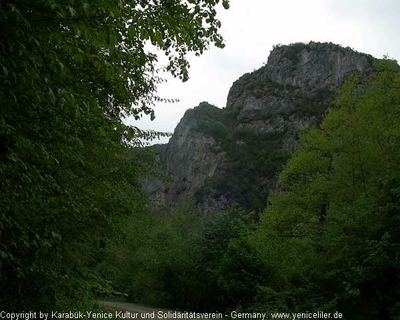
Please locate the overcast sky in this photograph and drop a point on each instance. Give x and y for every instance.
(252, 27)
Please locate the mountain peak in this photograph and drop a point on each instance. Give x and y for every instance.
(313, 65)
(231, 155)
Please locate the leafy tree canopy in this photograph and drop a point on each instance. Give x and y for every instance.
(70, 52)
(332, 231)
(70, 71)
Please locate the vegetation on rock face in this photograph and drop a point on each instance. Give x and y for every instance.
(70, 72)
(252, 161)
(313, 105)
(211, 121)
(292, 51)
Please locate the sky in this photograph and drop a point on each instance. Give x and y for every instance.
(252, 27)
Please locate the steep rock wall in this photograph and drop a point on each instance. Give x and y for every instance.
(219, 156)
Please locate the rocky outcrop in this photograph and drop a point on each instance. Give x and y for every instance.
(208, 154)
(189, 159)
(294, 89)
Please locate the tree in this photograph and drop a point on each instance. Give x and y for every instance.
(331, 233)
(154, 261)
(70, 72)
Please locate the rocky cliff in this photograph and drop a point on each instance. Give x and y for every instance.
(219, 156)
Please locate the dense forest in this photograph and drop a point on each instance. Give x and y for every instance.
(75, 226)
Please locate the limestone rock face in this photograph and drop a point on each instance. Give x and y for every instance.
(294, 89)
(208, 154)
(189, 156)
(323, 66)
(189, 159)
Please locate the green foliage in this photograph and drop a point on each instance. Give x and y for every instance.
(186, 261)
(227, 286)
(252, 161)
(210, 121)
(153, 260)
(293, 50)
(314, 105)
(331, 236)
(70, 72)
(213, 128)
